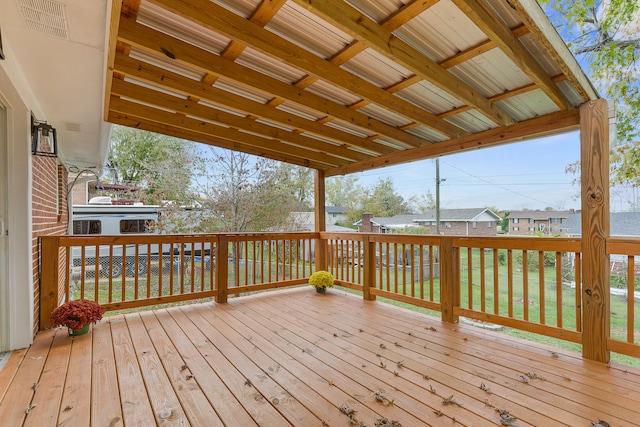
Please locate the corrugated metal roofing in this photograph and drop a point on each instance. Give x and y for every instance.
(346, 85)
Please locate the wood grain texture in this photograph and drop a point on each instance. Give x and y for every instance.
(292, 358)
(594, 159)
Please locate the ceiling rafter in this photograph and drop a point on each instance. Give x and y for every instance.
(162, 44)
(166, 129)
(235, 27)
(165, 79)
(363, 28)
(196, 110)
(504, 95)
(500, 34)
(550, 124)
(134, 109)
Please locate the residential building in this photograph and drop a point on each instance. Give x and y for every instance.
(453, 222)
(533, 222)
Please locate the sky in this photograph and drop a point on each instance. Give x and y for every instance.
(521, 175)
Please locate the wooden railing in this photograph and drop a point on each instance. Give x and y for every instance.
(532, 284)
(525, 283)
(124, 272)
(624, 258)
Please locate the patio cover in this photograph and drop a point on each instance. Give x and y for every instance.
(342, 86)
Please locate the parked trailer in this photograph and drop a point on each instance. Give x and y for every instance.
(103, 218)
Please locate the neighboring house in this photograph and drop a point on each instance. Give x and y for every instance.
(453, 222)
(532, 222)
(334, 214)
(623, 224)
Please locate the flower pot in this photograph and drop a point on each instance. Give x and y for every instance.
(84, 330)
(321, 289)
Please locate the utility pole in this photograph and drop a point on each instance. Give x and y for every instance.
(438, 181)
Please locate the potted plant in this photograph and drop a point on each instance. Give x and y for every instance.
(321, 280)
(77, 315)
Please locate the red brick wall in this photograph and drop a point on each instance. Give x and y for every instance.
(49, 213)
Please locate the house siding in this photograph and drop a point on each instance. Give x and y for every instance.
(50, 217)
(459, 228)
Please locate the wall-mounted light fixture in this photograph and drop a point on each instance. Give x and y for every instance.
(44, 141)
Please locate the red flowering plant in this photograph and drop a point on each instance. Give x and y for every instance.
(75, 314)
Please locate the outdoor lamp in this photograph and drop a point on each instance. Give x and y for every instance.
(44, 141)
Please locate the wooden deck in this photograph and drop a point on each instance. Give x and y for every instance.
(292, 357)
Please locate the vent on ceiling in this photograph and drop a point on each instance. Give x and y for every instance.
(45, 16)
(72, 126)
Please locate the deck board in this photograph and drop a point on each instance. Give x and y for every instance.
(292, 357)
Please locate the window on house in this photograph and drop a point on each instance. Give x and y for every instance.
(474, 224)
(447, 225)
(491, 224)
(532, 229)
(532, 221)
(134, 226)
(516, 228)
(87, 226)
(516, 220)
(555, 220)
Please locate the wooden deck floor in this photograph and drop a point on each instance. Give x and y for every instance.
(292, 357)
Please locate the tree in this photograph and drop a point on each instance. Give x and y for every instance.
(345, 191)
(423, 203)
(383, 200)
(606, 35)
(161, 165)
(301, 183)
(241, 193)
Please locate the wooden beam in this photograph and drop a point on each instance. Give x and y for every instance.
(179, 121)
(320, 220)
(114, 24)
(479, 49)
(145, 95)
(177, 83)
(497, 31)
(221, 20)
(543, 30)
(361, 27)
(162, 44)
(163, 128)
(49, 278)
(549, 124)
(594, 179)
(406, 13)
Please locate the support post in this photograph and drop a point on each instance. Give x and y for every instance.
(448, 282)
(369, 259)
(594, 159)
(49, 279)
(222, 269)
(320, 220)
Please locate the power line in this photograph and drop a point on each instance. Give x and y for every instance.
(504, 188)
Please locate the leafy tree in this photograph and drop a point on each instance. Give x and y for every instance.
(301, 183)
(423, 203)
(242, 193)
(161, 165)
(383, 200)
(606, 35)
(345, 191)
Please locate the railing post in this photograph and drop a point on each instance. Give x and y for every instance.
(448, 282)
(594, 159)
(49, 278)
(369, 259)
(222, 269)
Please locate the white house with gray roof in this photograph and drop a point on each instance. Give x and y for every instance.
(453, 222)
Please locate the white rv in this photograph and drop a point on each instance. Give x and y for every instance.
(101, 217)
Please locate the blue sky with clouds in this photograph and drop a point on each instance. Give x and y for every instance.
(528, 174)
